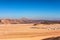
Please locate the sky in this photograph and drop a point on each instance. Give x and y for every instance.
(49, 9)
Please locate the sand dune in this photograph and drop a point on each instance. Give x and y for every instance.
(26, 32)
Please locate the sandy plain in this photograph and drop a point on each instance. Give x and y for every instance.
(28, 31)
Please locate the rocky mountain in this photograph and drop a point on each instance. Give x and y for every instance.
(26, 21)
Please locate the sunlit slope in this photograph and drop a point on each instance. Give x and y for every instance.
(8, 31)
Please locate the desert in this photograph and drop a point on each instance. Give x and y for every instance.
(28, 31)
(29, 19)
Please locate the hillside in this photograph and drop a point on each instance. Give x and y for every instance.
(27, 21)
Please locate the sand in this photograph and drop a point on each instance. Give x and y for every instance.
(28, 31)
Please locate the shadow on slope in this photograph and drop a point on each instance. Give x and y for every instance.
(52, 38)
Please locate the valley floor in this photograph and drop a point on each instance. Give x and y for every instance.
(28, 31)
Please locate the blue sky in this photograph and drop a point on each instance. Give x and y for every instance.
(30, 8)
